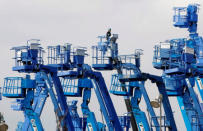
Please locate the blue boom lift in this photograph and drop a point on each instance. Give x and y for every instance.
(29, 59)
(61, 56)
(83, 72)
(129, 82)
(182, 62)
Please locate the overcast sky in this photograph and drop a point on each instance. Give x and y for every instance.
(139, 23)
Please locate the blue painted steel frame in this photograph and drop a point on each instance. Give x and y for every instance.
(61, 110)
(199, 82)
(31, 62)
(102, 94)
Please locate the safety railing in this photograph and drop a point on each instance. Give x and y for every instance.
(168, 54)
(13, 87)
(59, 54)
(31, 54)
(70, 87)
(180, 16)
(104, 53)
(165, 124)
(117, 87)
